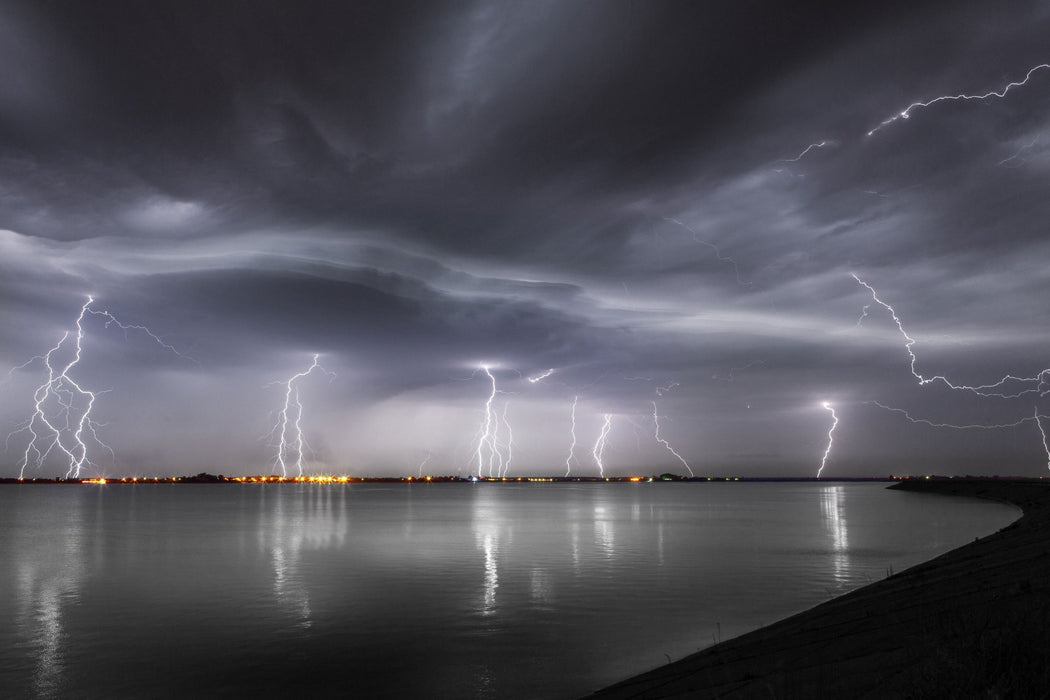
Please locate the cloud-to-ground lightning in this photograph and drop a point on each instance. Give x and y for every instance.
(656, 434)
(906, 112)
(599, 445)
(490, 450)
(1037, 384)
(61, 417)
(572, 433)
(424, 462)
(510, 441)
(288, 430)
(831, 439)
(1042, 432)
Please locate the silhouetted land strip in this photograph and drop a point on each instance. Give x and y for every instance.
(205, 478)
(970, 623)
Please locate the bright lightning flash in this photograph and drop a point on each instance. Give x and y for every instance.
(572, 431)
(61, 418)
(599, 446)
(1037, 384)
(289, 429)
(831, 430)
(904, 114)
(490, 450)
(1042, 432)
(541, 376)
(656, 434)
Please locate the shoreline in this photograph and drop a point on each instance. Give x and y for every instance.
(970, 622)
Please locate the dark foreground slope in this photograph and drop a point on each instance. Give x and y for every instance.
(974, 622)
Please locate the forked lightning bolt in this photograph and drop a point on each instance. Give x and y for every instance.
(1042, 432)
(572, 432)
(61, 418)
(716, 249)
(1035, 417)
(831, 431)
(1037, 384)
(656, 434)
(288, 430)
(490, 451)
(906, 112)
(599, 446)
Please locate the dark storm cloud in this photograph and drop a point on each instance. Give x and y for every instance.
(619, 191)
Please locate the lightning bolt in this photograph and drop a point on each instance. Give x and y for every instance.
(61, 417)
(996, 390)
(1035, 417)
(541, 376)
(489, 448)
(863, 312)
(954, 426)
(289, 420)
(1042, 432)
(423, 463)
(716, 249)
(1017, 156)
(510, 440)
(831, 430)
(906, 113)
(805, 150)
(599, 446)
(572, 432)
(656, 434)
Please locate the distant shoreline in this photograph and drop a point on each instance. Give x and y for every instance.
(970, 623)
(205, 478)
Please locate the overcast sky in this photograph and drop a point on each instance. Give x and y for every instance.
(663, 202)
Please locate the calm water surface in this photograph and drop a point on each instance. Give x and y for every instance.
(436, 591)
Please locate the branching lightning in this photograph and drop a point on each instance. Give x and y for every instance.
(656, 434)
(572, 432)
(288, 430)
(996, 389)
(490, 452)
(599, 446)
(716, 249)
(906, 113)
(1042, 432)
(831, 439)
(61, 418)
(955, 426)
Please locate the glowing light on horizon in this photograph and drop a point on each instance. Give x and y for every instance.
(831, 439)
(296, 444)
(62, 407)
(906, 112)
(986, 390)
(599, 446)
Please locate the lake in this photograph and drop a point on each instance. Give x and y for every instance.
(426, 590)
